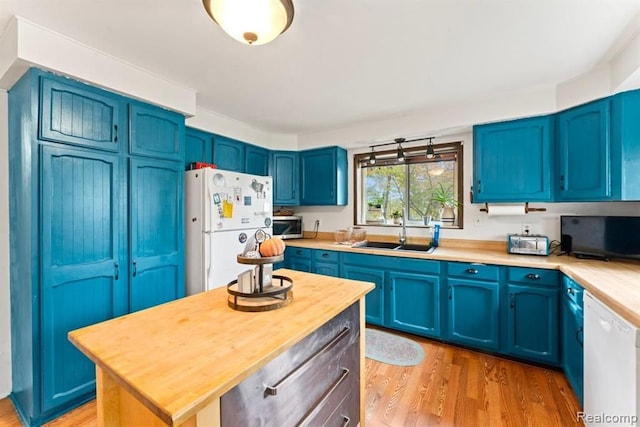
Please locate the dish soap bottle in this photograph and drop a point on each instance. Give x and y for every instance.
(435, 235)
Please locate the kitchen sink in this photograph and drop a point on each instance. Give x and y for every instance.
(395, 246)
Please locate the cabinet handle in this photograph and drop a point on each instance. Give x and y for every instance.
(135, 268)
(512, 301)
(345, 421)
(115, 137)
(580, 336)
(472, 271)
(533, 276)
(450, 291)
(479, 187)
(273, 390)
(571, 291)
(325, 255)
(117, 272)
(318, 407)
(562, 182)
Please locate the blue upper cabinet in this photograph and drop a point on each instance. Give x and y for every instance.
(156, 232)
(78, 114)
(256, 160)
(228, 154)
(499, 152)
(198, 147)
(323, 174)
(284, 168)
(156, 132)
(584, 153)
(625, 145)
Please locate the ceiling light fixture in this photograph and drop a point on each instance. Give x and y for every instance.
(400, 150)
(252, 22)
(372, 157)
(430, 153)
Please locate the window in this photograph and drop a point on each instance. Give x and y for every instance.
(429, 190)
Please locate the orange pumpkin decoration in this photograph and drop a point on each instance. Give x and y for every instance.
(272, 247)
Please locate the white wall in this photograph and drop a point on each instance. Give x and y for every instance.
(5, 321)
(477, 225)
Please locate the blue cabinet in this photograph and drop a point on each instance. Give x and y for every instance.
(573, 335)
(414, 303)
(156, 232)
(625, 145)
(156, 132)
(256, 160)
(323, 174)
(198, 147)
(325, 262)
(374, 300)
(298, 259)
(513, 161)
(584, 153)
(533, 317)
(87, 220)
(284, 168)
(473, 312)
(79, 115)
(228, 154)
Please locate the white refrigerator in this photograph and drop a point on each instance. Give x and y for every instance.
(223, 211)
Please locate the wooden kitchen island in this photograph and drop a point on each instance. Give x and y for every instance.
(173, 364)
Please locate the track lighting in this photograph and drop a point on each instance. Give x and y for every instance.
(430, 153)
(400, 150)
(372, 157)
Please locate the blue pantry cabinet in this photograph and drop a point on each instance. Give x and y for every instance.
(323, 174)
(584, 152)
(513, 160)
(284, 168)
(96, 220)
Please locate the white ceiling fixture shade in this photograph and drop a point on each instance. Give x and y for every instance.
(252, 22)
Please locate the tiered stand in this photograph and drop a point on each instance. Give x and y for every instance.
(264, 297)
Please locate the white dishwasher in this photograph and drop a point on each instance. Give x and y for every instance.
(611, 367)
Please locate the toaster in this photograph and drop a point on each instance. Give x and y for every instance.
(528, 244)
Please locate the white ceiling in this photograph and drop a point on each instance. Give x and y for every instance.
(348, 61)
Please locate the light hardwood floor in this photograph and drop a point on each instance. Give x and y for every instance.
(451, 387)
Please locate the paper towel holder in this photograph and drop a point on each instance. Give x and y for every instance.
(527, 209)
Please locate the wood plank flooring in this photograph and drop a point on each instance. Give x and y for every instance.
(452, 387)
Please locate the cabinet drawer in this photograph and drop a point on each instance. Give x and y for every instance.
(474, 271)
(305, 383)
(299, 252)
(533, 276)
(572, 290)
(326, 256)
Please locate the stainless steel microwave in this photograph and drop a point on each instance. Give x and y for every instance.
(287, 227)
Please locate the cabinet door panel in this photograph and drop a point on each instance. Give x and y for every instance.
(156, 132)
(414, 303)
(572, 346)
(156, 232)
(323, 175)
(501, 149)
(585, 152)
(474, 313)
(228, 154)
(82, 253)
(533, 323)
(198, 147)
(78, 116)
(286, 178)
(256, 160)
(374, 300)
(326, 268)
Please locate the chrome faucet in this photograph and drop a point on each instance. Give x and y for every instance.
(403, 233)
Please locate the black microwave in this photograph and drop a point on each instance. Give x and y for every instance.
(600, 236)
(287, 227)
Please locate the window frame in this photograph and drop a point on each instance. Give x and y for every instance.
(413, 155)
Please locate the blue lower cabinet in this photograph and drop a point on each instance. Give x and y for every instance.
(573, 336)
(298, 259)
(533, 323)
(326, 268)
(374, 300)
(474, 313)
(414, 303)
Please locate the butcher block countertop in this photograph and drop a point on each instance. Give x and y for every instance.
(616, 283)
(180, 357)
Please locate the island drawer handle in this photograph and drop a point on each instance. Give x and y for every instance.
(323, 399)
(472, 271)
(273, 390)
(345, 421)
